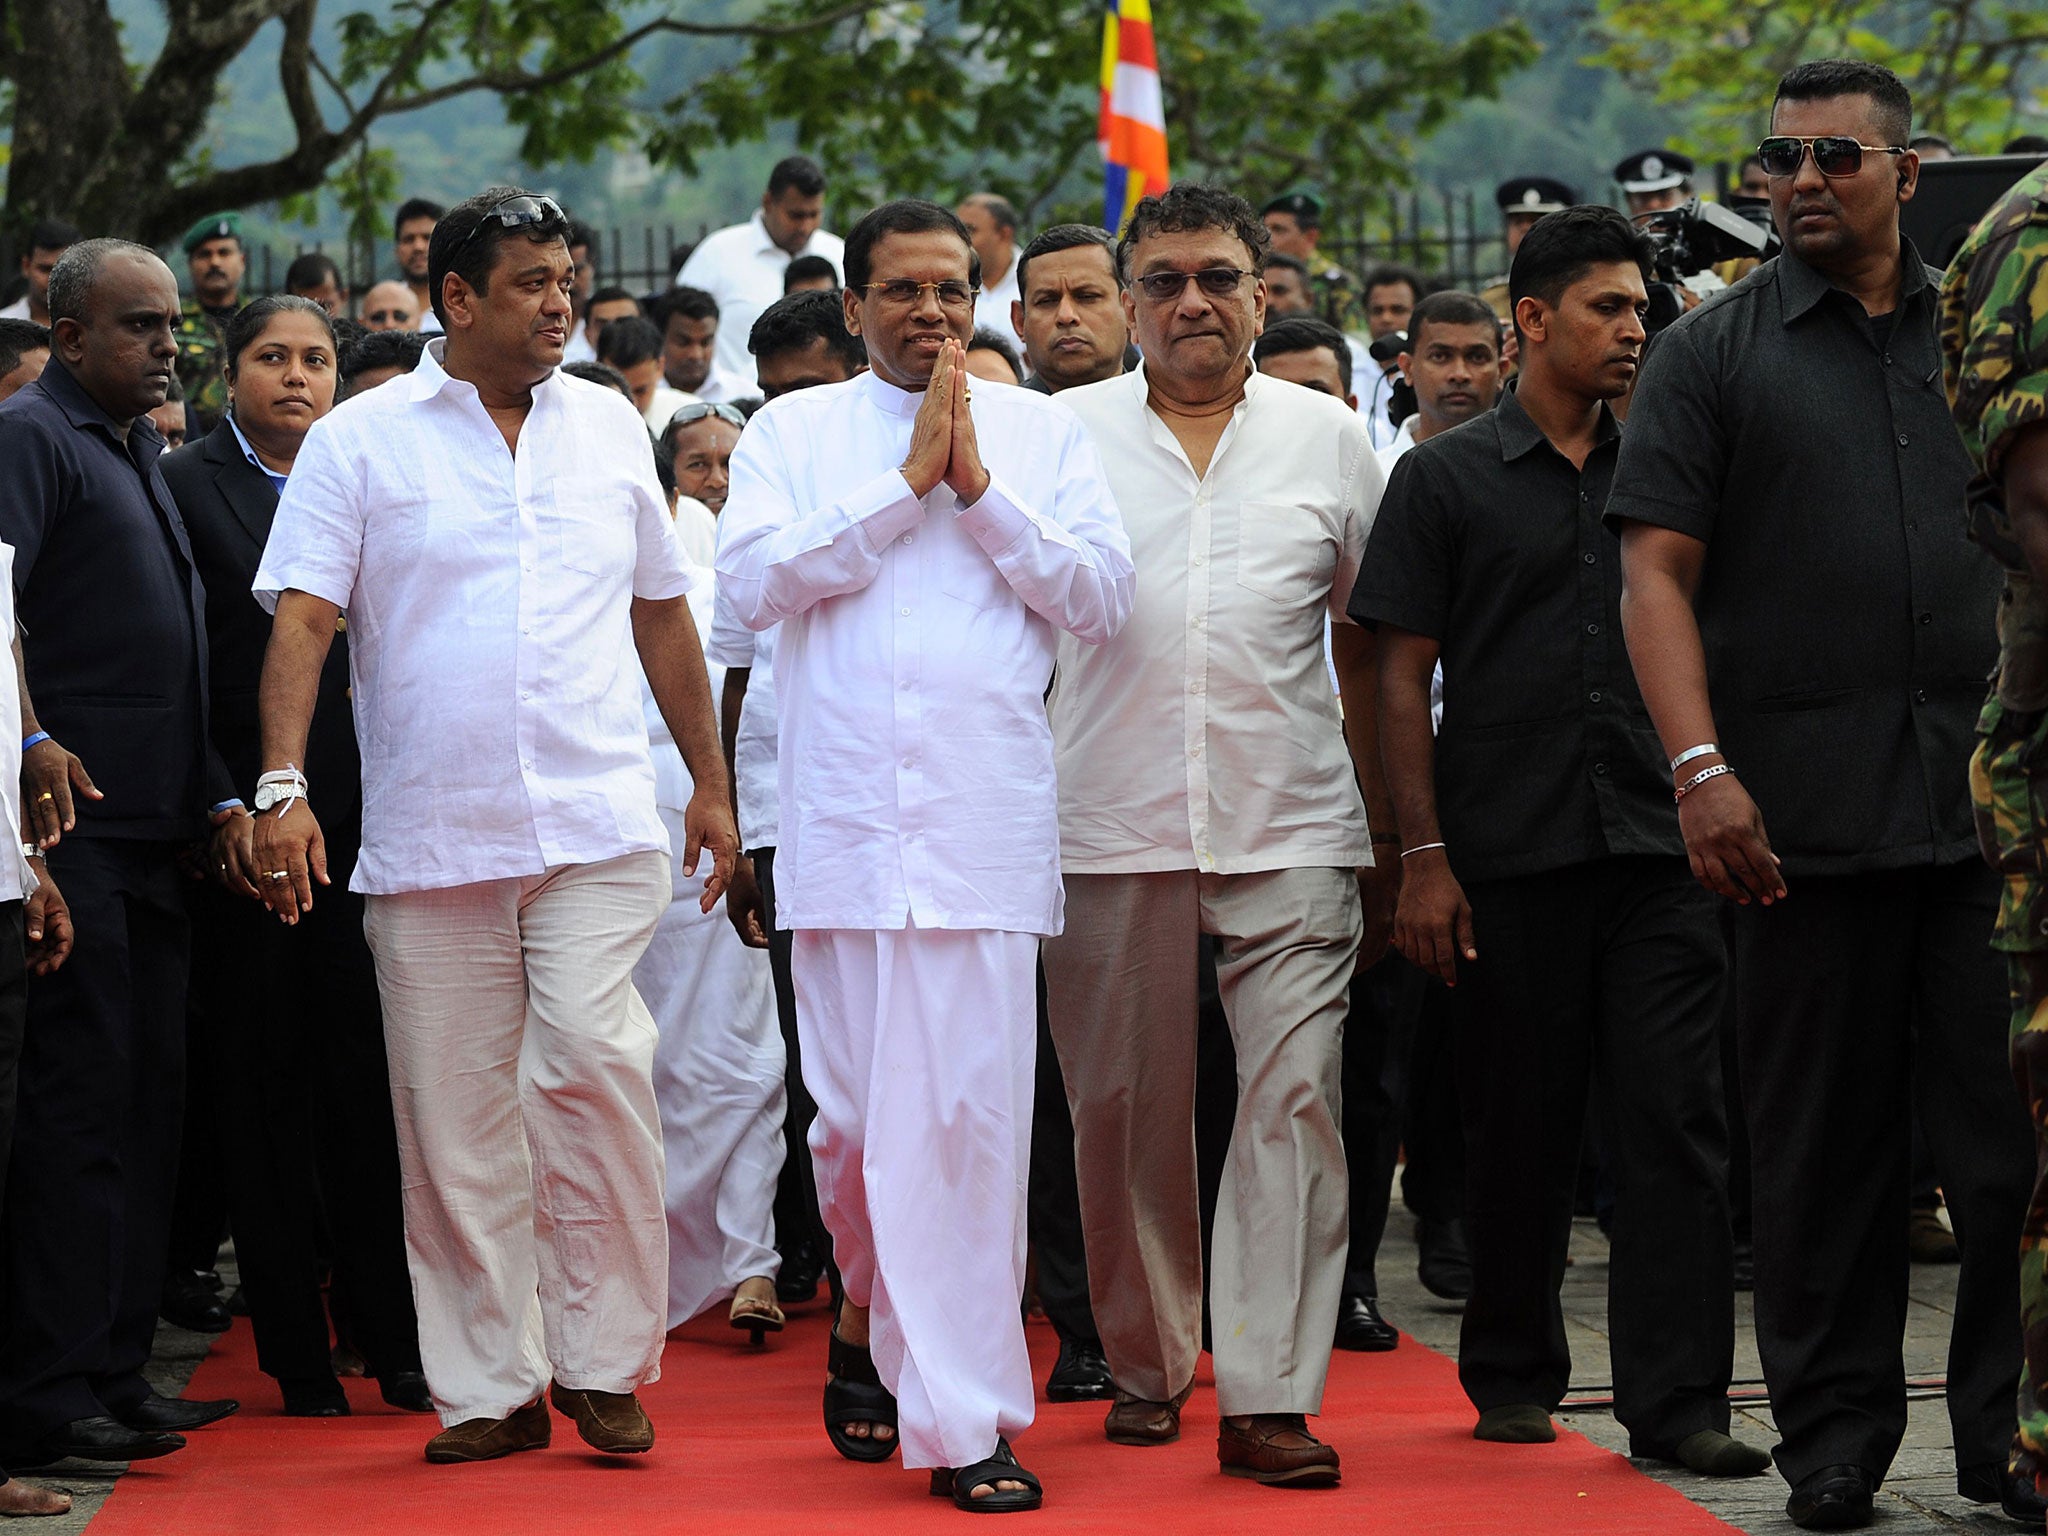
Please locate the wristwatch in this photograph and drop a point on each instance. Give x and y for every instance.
(268, 795)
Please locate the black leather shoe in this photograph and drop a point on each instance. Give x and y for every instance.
(797, 1280)
(173, 1415)
(1444, 1265)
(1990, 1482)
(313, 1397)
(1360, 1326)
(189, 1302)
(1832, 1499)
(407, 1390)
(99, 1439)
(1081, 1375)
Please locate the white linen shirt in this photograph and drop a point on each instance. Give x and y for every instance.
(497, 696)
(916, 774)
(754, 772)
(741, 267)
(992, 304)
(1206, 735)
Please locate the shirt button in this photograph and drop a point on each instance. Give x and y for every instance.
(1593, 697)
(1887, 359)
(1588, 557)
(1599, 770)
(1926, 618)
(526, 695)
(1912, 525)
(906, 613)
(1919, 695)
(1201, 559)
(1592, 629)
(909, 538)
(1902, 439)
(1195, 752)
(910, 762)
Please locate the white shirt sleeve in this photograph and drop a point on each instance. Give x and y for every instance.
(316, 538)
(1361, 504)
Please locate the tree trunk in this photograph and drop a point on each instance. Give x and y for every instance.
(70, 86)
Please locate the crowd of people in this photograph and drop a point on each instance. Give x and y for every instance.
(948, 763)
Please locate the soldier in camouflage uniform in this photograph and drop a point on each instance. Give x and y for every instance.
(215, 257)
(1295, 224)
(1994, 334)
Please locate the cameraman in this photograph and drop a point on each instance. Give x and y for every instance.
(1797, 590)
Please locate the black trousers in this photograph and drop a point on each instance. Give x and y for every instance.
(13, 1024)
(292, 1040)
(1861, 994)
(1610, 970)
(1052, 1209)
(797, 1221)
(88, 1200)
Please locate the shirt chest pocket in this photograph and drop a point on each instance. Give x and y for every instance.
(1284, 551)
(592, 534)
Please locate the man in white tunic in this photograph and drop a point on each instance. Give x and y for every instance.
(921, 553)
(493, 529)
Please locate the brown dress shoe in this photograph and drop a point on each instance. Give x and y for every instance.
(1276, 1448)
(524, 1429)
(612, 1422)
(1140, 1421)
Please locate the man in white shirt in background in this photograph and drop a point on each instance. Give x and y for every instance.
(741, 266)
(1205, 787)
(493, 530)
(921, 543)
(48, 240)
(992, 225)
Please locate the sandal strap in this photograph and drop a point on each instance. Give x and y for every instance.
(851, 1363)
(1002, 1467)
(854, 1402)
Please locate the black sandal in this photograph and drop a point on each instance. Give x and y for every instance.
(959, 1483)
(855, 1395)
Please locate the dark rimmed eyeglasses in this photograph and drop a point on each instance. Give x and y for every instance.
(1215, 283)
(522, 211)
(1833, 155)
(698, 410)
(902, 292)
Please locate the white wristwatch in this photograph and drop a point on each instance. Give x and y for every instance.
(269, 795)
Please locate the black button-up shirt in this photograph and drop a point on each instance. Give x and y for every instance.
(1848, 622)
(1489, 542)
(111, 609)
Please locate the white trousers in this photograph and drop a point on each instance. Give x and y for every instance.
(918, 1045)
(528, 1139)
(718, 1077)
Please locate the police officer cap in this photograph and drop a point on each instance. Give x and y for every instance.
(1653, 170)
(1534, 194)
(1302, 207)
(215, 226)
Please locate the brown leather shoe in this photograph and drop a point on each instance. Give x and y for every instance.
(1140, 1421)
(525, 1429)
(1276, 1448)
(612, 1422)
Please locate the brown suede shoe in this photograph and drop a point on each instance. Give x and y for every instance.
(1140, 1421)
(1276, 1448)
(612, 1422)
(525, 1429)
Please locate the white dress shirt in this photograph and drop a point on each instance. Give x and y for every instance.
(696, 531)
(497, 697)
(754, 769)
(992, 305)
(1206, 735)
(17, 879)
(18, 310)
(916, 774)
(741, 267)
(663, 404)
(578, 348)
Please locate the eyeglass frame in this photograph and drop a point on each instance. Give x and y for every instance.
(497, 211)
(973, 289)
(1806, 145)
(1238, 275)
(703, 410)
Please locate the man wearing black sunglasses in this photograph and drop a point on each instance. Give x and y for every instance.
(1811, 633)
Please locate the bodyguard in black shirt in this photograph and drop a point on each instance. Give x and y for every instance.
(1543, 876)
(1800, 597)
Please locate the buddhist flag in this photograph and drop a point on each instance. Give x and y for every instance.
(1133, 132)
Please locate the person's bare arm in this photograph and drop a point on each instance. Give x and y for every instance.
(290, 842)
(670, 654)
(1724, 832)
(1354, 654)
(1433, 922)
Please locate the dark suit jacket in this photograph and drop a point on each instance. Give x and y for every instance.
(227, 504)
(111, 609)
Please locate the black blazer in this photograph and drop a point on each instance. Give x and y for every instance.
(227, 504)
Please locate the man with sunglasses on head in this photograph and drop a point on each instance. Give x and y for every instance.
(1811, 634)
(495, 535)
(922, 542)
(1206, 788)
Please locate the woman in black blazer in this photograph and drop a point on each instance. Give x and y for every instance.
(286, 1035)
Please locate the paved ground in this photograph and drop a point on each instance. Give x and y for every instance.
(1919, 1497)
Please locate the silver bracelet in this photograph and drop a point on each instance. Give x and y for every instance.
(1704, 749)
(1420, 848)
(1700, 778)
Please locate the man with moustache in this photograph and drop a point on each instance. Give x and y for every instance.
(1068, 313)
(1542, 873)
(113, 641)
(920, 544)
(495, 535)
(217, 260)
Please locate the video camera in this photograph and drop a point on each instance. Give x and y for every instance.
(1694, 236)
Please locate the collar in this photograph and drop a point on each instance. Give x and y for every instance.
(887, 398)
(79, 407)
(276, 477)
(1254, 385)
(1519, 434)
(764, 245)
(1803, 286)
(429, 378)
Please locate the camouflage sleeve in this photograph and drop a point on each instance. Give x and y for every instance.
(1994, 323)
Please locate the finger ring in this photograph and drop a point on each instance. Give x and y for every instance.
(274, 874)
(223, 869)
(46, 795)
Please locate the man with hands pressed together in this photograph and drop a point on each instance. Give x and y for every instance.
(494, 533)
(1542, 878)
(920, 544)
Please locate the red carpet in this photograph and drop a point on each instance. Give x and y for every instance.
(742, 1453)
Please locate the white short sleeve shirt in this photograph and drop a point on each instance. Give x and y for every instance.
(742, 268)
(496, 686)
